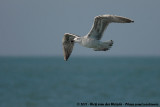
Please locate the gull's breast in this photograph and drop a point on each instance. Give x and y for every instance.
(90, 43)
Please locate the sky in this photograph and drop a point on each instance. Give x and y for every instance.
(36, 27)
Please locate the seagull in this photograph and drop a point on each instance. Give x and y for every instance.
(92, 39)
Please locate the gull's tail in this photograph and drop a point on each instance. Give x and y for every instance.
(104, 46)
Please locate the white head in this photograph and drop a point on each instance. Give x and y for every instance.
(77, 39)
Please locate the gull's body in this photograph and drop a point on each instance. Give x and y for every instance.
(92, 39)
(87, 42)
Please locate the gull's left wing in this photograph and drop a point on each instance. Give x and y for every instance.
(68, 44)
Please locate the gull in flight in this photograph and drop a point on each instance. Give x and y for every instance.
(92, 39)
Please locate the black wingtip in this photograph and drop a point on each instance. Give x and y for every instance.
(65, 59)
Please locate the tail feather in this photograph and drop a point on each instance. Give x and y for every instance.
(104, 46)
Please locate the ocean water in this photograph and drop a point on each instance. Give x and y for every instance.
(79, 82)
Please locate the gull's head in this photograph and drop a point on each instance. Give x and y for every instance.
(71, 38)
(68, 38)
(77, 39)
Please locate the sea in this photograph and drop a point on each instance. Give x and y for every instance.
(82, 81)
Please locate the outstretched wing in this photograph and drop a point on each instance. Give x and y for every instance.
(101, 22)
(68, 44)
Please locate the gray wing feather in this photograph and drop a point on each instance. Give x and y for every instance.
(68, 44)
(101, 22)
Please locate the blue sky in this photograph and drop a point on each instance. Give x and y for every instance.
(36, 27)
